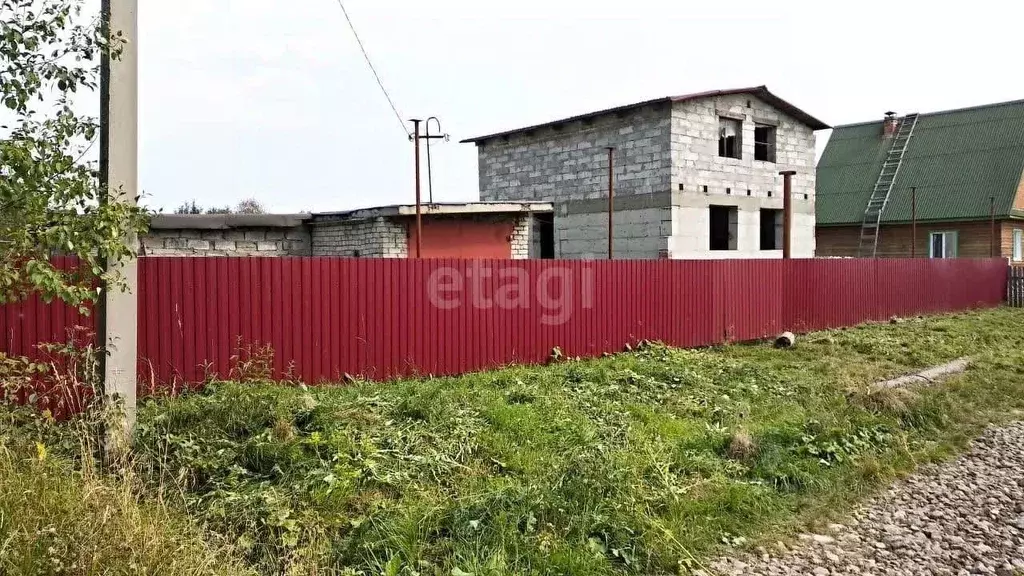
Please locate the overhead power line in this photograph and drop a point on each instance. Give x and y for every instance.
(369, 63)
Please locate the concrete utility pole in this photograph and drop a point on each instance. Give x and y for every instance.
(119, 177)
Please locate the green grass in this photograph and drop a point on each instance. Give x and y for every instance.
(56, 518)
(642, 463)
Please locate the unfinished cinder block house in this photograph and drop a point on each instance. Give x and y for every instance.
(696, 176)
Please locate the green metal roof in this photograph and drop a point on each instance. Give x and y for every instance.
(957, 159)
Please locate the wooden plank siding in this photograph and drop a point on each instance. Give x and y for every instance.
(1018, 200)
(974, 239)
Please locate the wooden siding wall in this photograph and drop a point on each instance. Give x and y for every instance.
(895, 241)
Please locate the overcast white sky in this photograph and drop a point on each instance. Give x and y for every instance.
(271, 98)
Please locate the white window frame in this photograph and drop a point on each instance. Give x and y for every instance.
(1018, 245)
(947, 236)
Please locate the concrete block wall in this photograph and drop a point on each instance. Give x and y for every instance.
(372, 238)
(691, 218)
(571, 162)
(522, 238)
(662, 149)
(695, 159)
(642, 226)
(235, 242)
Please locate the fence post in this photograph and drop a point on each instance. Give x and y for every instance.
(1011, 287)
(1015, 287)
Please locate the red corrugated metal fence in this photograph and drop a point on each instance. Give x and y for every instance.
(325, 318)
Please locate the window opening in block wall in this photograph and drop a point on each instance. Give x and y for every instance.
(730, 138)
(771, 229)
(764, 143)
(724, 225)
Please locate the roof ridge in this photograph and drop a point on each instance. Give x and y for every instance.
(939, 112)
(758, 91)
(920, 129)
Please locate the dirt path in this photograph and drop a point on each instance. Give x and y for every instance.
(962, 517)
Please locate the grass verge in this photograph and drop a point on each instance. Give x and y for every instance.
(56, 518)
(642, 463)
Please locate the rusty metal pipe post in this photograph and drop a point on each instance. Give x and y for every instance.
(430, 171)
(787, 213)
(611, 202)
(419, 200)
(992, 220)
(913, 222)
(439, 136)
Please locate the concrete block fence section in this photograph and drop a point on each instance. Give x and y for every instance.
(228, 235)
(370, 238)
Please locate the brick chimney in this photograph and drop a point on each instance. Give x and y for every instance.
(890, 125)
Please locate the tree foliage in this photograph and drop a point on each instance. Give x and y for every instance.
(51, 199)
(189, 207)
(250, 206)
(247, 206)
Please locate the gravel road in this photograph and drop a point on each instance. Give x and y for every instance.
(963, 517)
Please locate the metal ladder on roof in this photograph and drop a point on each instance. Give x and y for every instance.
(879, 199)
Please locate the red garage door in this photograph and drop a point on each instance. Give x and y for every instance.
(463, 239)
